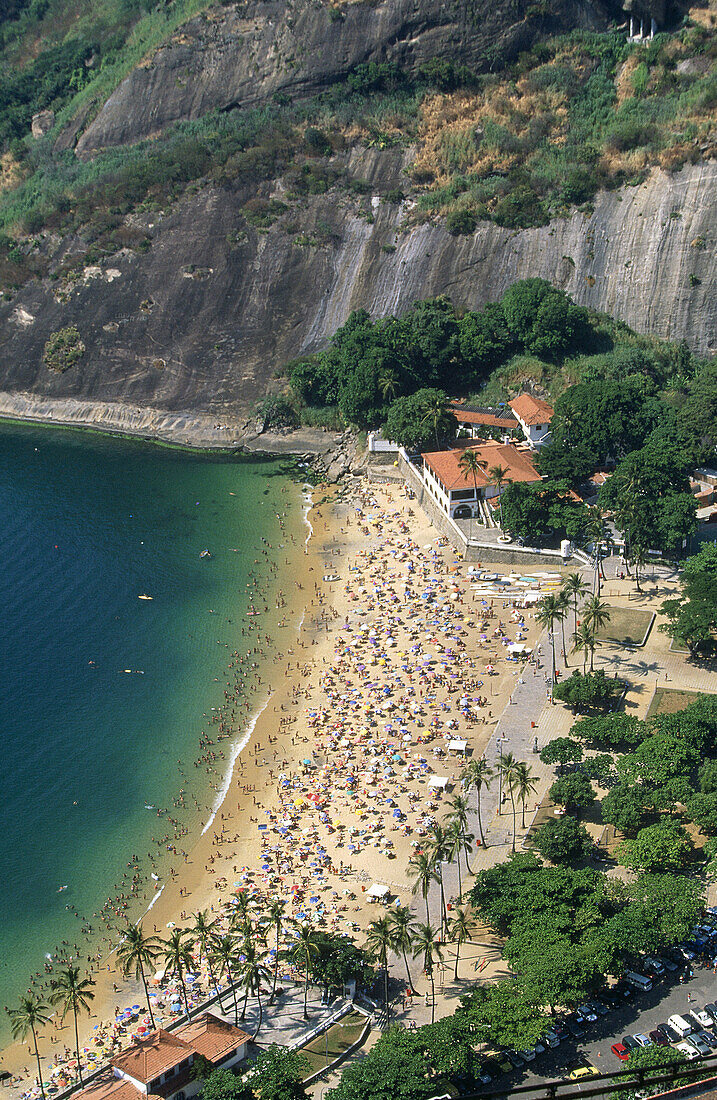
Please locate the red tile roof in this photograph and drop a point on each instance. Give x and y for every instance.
(150, 1057)
(213, 1038)
(445, 464)
(109, 1087)
(489, 419)
(531, 410)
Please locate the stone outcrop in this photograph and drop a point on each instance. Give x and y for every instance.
(243, 54)
(190, 334)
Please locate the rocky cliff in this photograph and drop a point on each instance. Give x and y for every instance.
(192, 331)
(242, 55)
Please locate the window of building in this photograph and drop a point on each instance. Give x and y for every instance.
(463, 494)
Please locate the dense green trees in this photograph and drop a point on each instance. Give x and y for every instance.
(693, 615)
(421, 421)
(537, 511)
(592, 690)
(563, 840)
(664, 846)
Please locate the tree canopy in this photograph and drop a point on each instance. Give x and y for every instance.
(563, 840)
(692, 616)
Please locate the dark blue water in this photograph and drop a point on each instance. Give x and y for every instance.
(87, 524)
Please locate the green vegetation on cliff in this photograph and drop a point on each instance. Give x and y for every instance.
(576, 113)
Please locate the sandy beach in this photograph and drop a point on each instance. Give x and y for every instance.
(357, 725)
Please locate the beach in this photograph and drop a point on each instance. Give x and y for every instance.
(347, 749)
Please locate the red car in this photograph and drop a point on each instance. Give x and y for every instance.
(620, 1051)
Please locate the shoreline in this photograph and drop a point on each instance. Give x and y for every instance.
(241, 768)
(195, 432)
(369, 537)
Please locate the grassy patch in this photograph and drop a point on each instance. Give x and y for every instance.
(326, 1048)
(670, 700)
(627, 626)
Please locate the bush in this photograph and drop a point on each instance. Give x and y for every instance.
(593, 690)
(461, 223)
(63, 349)
(563, 840)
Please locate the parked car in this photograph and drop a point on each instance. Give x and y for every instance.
(551, 1038)
(708, 1037)
(638, 981)
(711, 1010)
(687, 1050)
(527, 1055)
(670, 1034)
(642, 1040)
(598, 1007)
(659, 1039)
(587, 1013)
(667, 963)
(620, 1051)
(576, 1032)
(583, 1071)
(630, 1042)
(702, 1049)
(682, 1026)
(515, 1061)
(652, 966)
(702, 1017)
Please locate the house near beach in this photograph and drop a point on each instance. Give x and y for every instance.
(455, 490)
(534, 416)
(163, 1064)
(476, 422)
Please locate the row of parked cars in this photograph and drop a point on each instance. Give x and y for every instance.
(694, 1034)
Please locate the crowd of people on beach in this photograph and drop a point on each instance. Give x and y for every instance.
(386, 712)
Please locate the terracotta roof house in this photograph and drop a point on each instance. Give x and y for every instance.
(473, 420)
(162, 1065)
(534, 416)
(454, 490)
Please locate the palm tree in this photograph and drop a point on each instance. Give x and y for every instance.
(422, 871)
(379, 939)
(304, 949)
(388, 385)
(435, 414)
(73, 994)
(596, 532)
(275, 920)
(575, 588)
(469, 463)
(177, 954)
(25, 1020)
(252, 972)
(462, 927)
(507, 765)
(477, 775)
(550, 611)
(427, 944)
(242, 912)
(499, 479)
(438, 852)
(201, 935)
(639, 558)
(564, 602)
(135, 952)
(458, 816)
(525, 784)
(402, 928)
(584, 638)
(223, 951)
(454, 847)
(595, 615)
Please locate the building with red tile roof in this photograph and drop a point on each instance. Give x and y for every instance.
(474, 420)
(534, 416)
(162, 1065)
(454, 489)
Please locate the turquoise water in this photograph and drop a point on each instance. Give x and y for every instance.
(87, 525)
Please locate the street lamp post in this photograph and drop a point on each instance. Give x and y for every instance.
(500, 741)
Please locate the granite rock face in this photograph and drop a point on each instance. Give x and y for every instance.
(197, 326)
(243, 54)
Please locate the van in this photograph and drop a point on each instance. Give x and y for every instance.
(639, 981)
(681, 1026)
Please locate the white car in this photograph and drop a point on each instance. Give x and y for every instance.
(687, 1049)
(642, 1040)
(703, 1017)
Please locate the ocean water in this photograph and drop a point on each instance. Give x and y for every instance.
(87, 525)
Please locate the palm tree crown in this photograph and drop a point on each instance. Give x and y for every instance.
(136, 954)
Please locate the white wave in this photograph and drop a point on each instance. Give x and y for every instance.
(155, 899)
(241, 743)
(308, 505)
